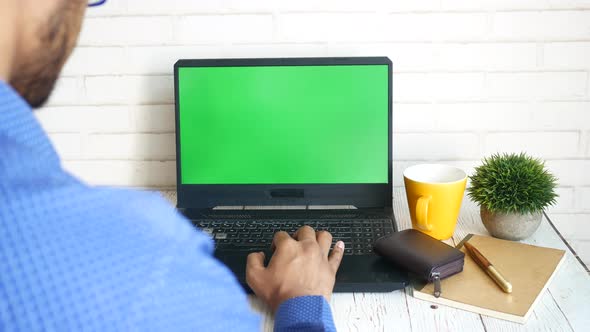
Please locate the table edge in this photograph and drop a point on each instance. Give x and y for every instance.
(564, 240)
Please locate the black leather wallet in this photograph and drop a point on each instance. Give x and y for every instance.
(423, 255)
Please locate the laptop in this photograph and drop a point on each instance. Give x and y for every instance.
(264, 145)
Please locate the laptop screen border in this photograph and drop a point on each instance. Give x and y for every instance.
(204, 196)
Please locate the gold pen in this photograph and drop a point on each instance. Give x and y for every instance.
(488, 268)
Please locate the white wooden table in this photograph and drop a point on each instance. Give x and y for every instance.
(565, 306)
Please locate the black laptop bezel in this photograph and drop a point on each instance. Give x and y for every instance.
(206, 196)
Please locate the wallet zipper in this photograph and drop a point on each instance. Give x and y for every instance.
(444, 271)
(435, 276)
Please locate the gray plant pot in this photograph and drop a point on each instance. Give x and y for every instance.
(510, 226)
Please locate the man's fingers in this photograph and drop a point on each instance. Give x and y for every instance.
(279, 238)
(254, 266)
(325, 241)
(336, 256)
(255, 261)
(304, 233)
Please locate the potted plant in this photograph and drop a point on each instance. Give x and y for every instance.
(512, 191)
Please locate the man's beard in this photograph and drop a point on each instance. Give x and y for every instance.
(35, 77)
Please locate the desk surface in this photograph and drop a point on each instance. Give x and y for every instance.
(563, 307)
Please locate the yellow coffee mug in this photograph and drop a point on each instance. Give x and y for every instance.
(435, 193)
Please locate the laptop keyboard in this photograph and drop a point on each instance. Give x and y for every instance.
(234, 235)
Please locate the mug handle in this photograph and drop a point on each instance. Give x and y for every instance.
(422, 213)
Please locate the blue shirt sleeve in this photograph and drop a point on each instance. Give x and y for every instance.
(305, 313)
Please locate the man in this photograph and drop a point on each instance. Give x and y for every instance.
(73, 257)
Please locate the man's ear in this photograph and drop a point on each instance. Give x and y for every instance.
(46, 34)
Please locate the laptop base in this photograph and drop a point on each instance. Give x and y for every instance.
(357, 273)
(369, 273)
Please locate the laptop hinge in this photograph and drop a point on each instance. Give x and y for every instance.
(286, 207)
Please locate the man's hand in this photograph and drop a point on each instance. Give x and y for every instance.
(299, 266)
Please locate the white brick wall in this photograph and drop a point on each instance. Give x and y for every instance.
(471, 77)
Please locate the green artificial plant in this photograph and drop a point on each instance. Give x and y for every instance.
(513, 183)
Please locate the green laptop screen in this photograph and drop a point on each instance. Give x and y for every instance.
(283, 124)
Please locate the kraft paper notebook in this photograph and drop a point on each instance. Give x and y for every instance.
(529, 268)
